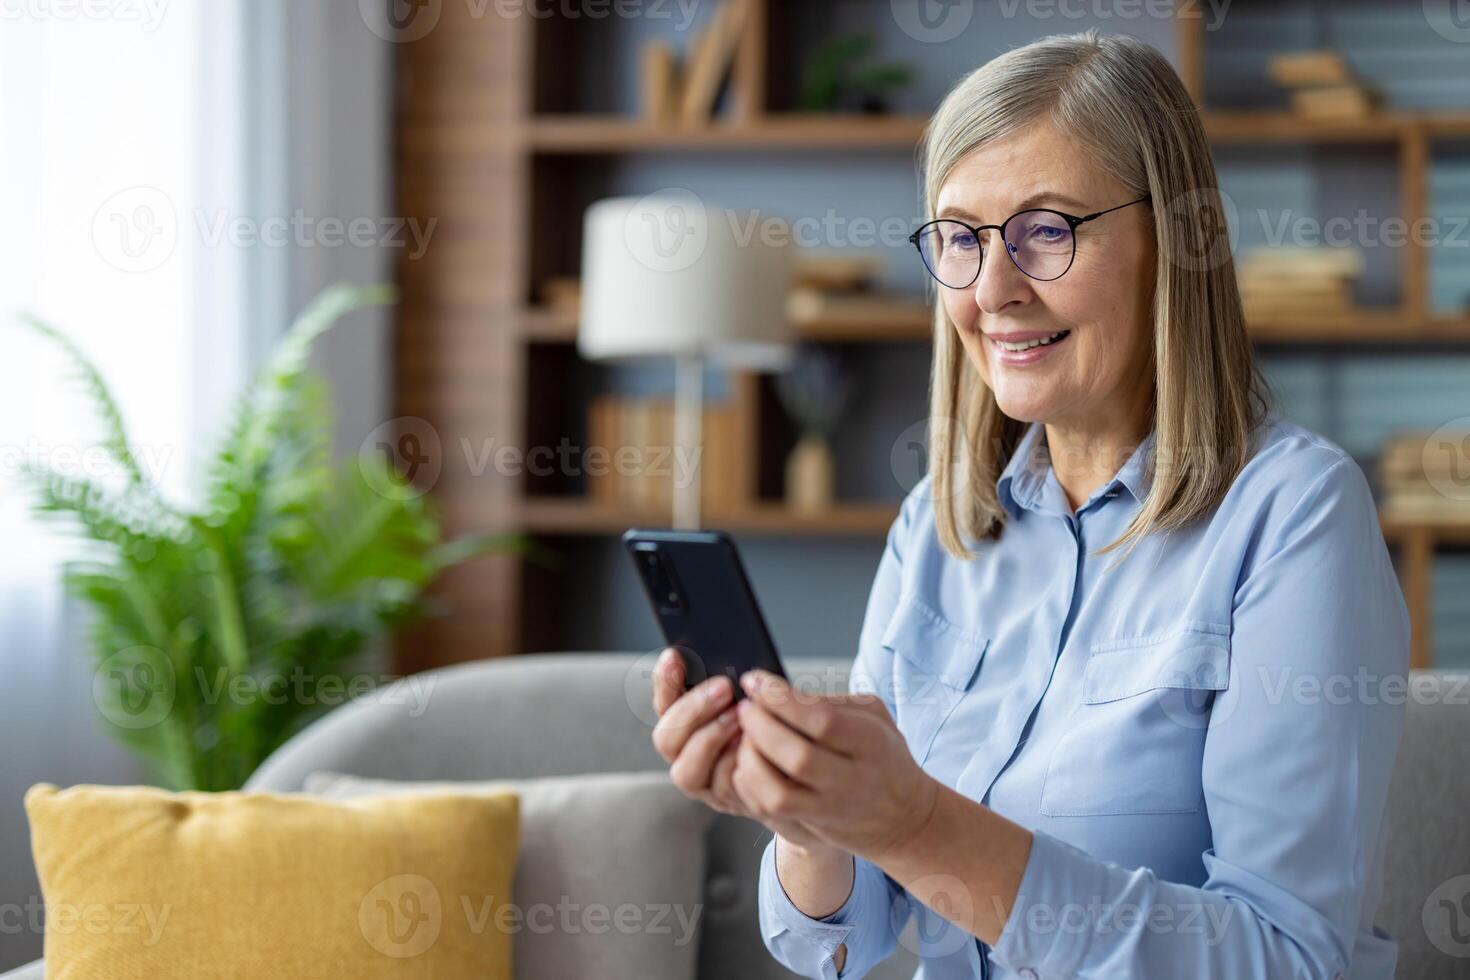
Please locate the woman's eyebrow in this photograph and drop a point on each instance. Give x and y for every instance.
(1030, 202)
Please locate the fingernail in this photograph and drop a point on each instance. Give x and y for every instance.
(743, 707)
(749, 681)
(717, 690)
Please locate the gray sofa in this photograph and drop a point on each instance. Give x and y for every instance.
(568, 713)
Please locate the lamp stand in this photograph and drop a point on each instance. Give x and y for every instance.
(688, 418)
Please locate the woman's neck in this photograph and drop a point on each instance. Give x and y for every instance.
(1087, 458)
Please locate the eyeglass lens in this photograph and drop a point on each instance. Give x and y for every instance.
(1041, 244)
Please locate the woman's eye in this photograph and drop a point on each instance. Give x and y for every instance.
(964, 240)
(1048, 233)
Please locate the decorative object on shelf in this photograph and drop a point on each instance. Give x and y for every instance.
(284, 571)
(836, 80)
(1321, 86)
(1282, 281)
(667, 275)
(814, 392)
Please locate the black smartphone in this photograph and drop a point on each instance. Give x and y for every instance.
(703, 603)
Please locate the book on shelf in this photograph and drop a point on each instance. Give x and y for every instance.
(1298, 69)
(1321, 85)
(1420, 481)
(711, 54)
(1290, 280)
(639, 460)
(1333, 102)
(660, 82)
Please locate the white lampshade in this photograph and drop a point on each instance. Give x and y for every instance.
(666, 275)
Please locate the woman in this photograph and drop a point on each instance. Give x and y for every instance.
(1091, 728)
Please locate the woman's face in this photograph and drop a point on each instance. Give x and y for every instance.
(1098, 371)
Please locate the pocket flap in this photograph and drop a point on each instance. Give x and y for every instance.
(919, 633)
(1197, 659)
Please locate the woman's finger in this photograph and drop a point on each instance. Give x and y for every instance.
(765, 790)
(691, 771)
(803, 760)
(692, 710)
(721, 787)
(823, 719)
(668, 680)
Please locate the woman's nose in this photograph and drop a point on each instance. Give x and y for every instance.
(1000, 282)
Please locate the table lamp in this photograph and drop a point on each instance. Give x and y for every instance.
(667, 275)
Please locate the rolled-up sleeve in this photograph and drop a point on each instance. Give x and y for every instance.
(806, 946)
(877, 908)
(1298, 752)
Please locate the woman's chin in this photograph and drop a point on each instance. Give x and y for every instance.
(1023, 408)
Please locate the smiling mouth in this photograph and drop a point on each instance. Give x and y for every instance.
(1021, 345)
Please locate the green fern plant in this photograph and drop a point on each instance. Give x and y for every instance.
(220, 631)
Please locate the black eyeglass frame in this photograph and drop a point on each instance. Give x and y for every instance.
(1072, 221)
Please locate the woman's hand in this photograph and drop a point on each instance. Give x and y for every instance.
(698, 734)
(835, 764)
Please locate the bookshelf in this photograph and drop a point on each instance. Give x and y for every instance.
(500, 142)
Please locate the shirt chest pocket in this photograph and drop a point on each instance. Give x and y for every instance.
(934, 665)
(1135, 741)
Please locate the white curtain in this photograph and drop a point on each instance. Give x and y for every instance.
(125, 141)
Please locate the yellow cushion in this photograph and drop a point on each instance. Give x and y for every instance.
(141, 883)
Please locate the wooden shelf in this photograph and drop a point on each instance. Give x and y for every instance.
(1369, 326)
(897, 320)
(572, 134)
(885, 319)
(582, 134)
(1257, 126)
(575, 516)
(1399, 527)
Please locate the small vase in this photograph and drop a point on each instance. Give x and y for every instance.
(810, 475)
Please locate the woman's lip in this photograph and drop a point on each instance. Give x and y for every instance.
(1023, 358)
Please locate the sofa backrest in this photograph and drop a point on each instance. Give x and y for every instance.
(548, 715)
(568, 713)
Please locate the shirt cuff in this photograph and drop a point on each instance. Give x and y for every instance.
(828, 932)
(1051, 923)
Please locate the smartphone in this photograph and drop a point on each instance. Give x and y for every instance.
(703, 603)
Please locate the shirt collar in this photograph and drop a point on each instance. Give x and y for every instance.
(1026, 472)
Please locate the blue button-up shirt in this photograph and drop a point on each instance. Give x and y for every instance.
(1200, 738)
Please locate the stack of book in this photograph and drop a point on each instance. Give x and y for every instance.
(639, 461)
(1321, 86)
(1282, 281)
(685, 94)
(1426, 477)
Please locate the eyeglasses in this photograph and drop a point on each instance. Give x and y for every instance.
(1041, 242)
